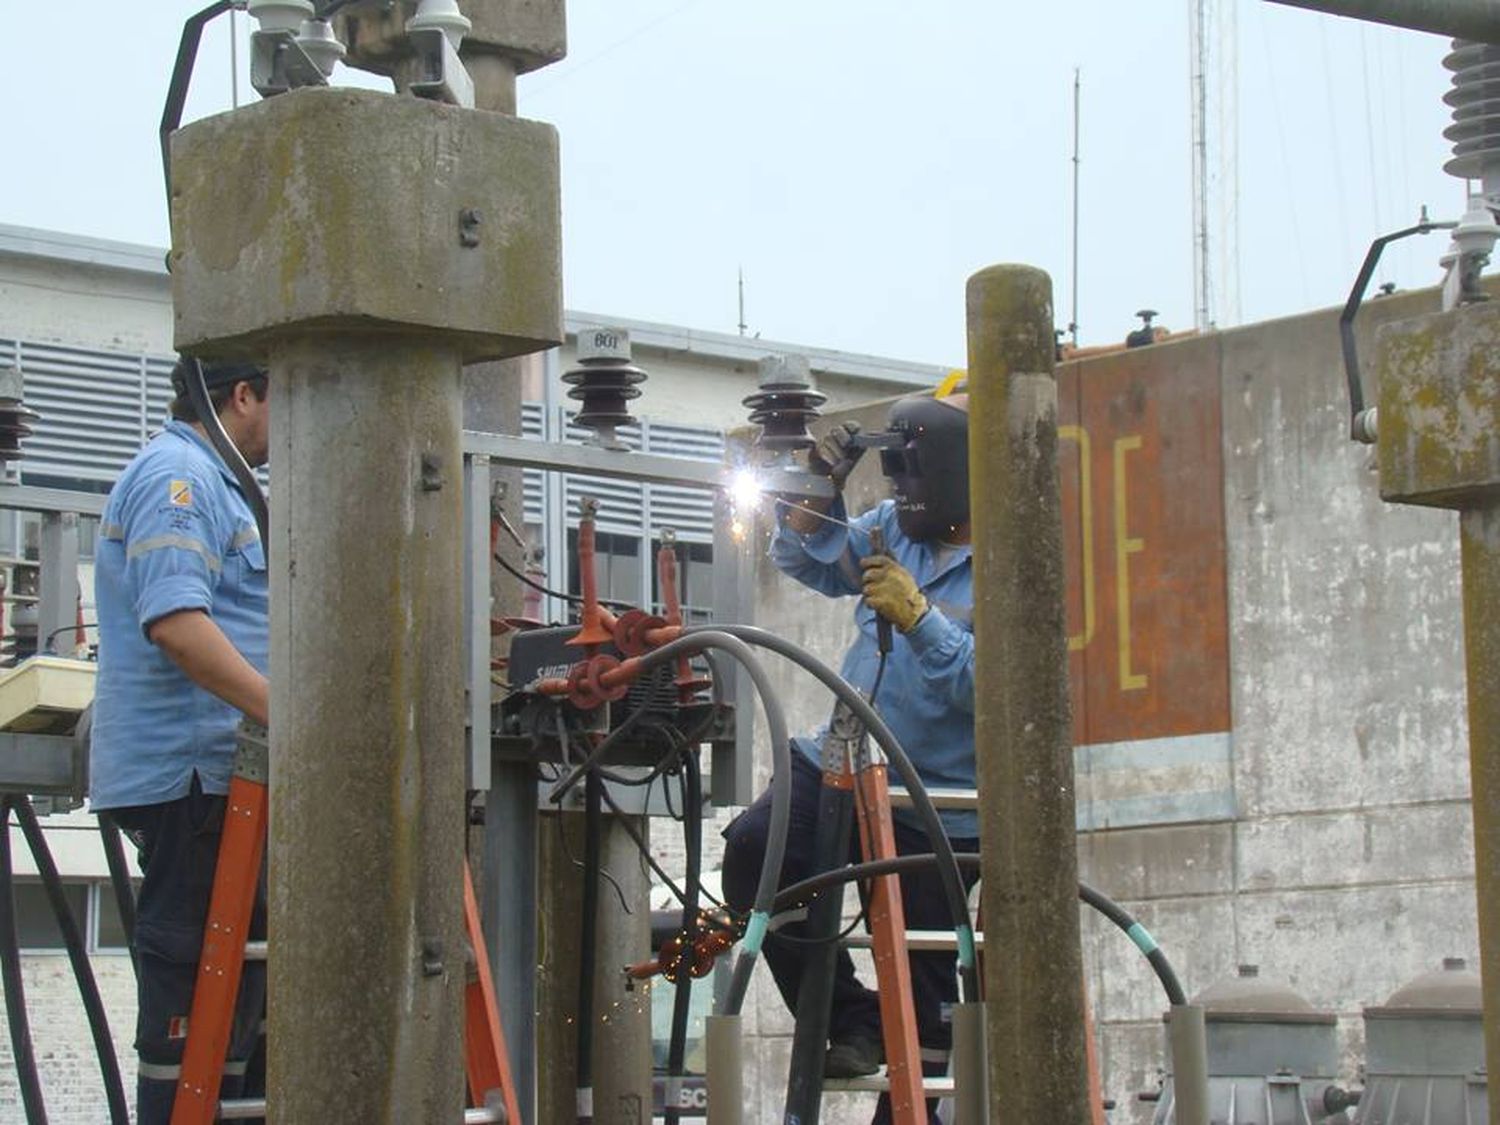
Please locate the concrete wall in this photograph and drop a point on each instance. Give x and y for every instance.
(1344, 861)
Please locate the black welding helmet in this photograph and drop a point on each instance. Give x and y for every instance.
(925, 452)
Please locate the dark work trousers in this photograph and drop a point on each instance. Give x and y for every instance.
(856, 1009)
(177, 844)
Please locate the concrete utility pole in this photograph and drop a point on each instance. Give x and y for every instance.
(368, 246)
(507, 38)
(1461, 19)
(1440, 447)
(1033, 960)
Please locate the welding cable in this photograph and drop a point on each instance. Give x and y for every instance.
(83, 972)
(793, 896)
(22, 1050)
(562, 837)
(46, 644)
(119, 877)
(197, 387)
(875, 726)
(624, 821)
(682, 998)
(572, 599)
(592, 831)
(182, 75)
(781, 796)
(598, 753)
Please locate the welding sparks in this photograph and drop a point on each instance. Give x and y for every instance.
(745, 491)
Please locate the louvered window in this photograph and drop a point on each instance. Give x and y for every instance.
(97, 409)
(631, 516)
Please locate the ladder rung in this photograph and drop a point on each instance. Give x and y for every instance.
(255, 950)
(241, 1109)
(941, 798)
(916, 940)
(879, 1084)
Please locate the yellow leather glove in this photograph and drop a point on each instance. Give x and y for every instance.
(892, 592)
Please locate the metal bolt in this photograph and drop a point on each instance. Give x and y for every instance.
(432, 958)
(432, 473)
(468, 226)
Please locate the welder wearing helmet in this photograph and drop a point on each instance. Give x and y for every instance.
(922, 585)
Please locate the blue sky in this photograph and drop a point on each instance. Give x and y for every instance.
(857, 158)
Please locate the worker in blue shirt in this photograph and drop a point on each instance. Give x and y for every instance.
(922, 583)
(180, 589)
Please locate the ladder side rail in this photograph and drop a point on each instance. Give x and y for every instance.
(898, 1017)
(222, 961)
(486, 1057)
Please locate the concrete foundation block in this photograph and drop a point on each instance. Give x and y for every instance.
(1440, 408)
(349, 209)
(531, 33)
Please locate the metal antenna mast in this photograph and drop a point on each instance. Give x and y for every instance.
(743, 325)
(1202, 275)
(1077, 97)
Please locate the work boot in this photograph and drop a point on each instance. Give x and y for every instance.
(854, 1057)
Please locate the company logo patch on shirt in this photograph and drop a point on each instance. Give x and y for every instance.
(180, 493)
(177, 1027)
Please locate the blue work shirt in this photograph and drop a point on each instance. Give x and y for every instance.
(177, 534)
(927, 692)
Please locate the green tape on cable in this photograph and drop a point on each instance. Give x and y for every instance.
(755, 932)
(1142, 938)
(967, 957)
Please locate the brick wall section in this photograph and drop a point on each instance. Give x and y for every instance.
(66, 1061)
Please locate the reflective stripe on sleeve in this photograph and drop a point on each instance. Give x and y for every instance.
(178, 542)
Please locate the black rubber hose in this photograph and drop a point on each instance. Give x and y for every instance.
(83, 972)
(21, 1048)
(682, 999)
(182, 76)
(203, 406)
(794, 895)
(1351, 309)
(1142, 939)
(593, 817)
(948, 874)
(781, 797)
(119, 877)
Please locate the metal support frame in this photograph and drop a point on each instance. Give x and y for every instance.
(29, 498)
(476, 476)
(53, 765)
(57, 589)
(648, 468)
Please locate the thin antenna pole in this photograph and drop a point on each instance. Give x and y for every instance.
(1198, 18)
(234, 62)
(1077, 98)
(743, 325)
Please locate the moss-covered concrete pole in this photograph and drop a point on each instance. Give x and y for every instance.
(507, 38)
(1439, 423)
(1033, 957)
(366, 246)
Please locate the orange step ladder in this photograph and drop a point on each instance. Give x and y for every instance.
(226, 948)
